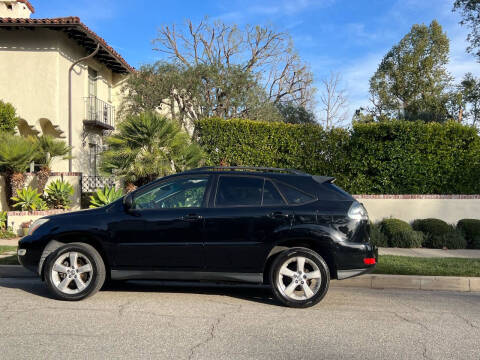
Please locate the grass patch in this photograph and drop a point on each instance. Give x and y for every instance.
(9, 260)
(4, 249)
(406, 265)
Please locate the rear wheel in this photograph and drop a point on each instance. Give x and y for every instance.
(299, 277)
(74, 272)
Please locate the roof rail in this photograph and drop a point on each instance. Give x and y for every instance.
(247, 168)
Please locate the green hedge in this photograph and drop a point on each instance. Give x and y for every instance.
(396, 157)
(471, 230)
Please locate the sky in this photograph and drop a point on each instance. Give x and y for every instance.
(345, 36)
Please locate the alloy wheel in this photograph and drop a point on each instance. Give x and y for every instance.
(299, 278)
(72, 272)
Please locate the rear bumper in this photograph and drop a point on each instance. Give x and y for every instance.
(345, 274)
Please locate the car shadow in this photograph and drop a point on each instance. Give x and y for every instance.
(255, 293)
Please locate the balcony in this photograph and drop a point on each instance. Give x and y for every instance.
(99, 114)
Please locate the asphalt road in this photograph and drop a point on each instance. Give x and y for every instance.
(154, 320)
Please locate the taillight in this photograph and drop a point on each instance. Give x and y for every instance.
(357, 212)
(369, 261)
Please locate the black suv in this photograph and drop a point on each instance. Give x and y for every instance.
(281, 227)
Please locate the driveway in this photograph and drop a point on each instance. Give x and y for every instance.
(148, 320)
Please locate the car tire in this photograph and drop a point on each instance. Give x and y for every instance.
(74, 272)
(299, 277)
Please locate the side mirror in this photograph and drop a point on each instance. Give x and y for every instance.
(128, 202)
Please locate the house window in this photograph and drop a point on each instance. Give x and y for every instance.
(109, 93)
(92, 82)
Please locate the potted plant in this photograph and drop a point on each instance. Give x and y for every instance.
(25, 227)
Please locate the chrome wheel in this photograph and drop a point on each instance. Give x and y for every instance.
(72, 272)
(299, 278)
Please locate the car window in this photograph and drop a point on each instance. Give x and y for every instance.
(271, 196)
(179, 193)
(239, 191)
(293, 195)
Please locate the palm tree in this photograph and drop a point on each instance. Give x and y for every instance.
(16, 153)
(148, 146)
(49, 148)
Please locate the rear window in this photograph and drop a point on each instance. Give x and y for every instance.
(239, 191)
(293, 195)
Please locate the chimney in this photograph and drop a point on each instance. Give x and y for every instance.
(17, 9)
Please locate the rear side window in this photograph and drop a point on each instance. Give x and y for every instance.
(271, 196)
(293, 195)
(239, 191)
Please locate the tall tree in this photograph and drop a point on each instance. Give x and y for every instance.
(188, 93)
(470, 91)
(217, 69)
(412, 82)
(333, 100)
(470, 11)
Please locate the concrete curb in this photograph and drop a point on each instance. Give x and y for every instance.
(15, 271)
(443, 283)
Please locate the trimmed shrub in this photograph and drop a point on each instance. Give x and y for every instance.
(394, 157)
(454, 240)
(470, 228)
(400, 234)
(377, 238)
(431, 226)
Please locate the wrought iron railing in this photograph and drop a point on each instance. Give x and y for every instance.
(99, 111)
(92, 183)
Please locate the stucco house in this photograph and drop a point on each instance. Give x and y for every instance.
(63, 79)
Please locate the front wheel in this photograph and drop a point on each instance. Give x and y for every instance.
(74, 272)
(299, 277)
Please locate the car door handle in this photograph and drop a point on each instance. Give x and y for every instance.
(191, 217)
(278, 214)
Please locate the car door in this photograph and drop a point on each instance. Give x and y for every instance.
(245, 214)
(164, 227)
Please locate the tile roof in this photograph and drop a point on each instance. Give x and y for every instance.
(26, 2)
(78, 31)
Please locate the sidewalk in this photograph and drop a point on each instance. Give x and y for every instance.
(431, 253)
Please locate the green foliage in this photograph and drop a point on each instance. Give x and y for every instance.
(400, 234)
(431, 226)
(439, 234)
(59, 194)
(377, 238)
(411, 81)
(149, 146)
(28, 199)
(394, 157)
(3, 220)
(8, 117)
(471, 230)
(470, 11)
(49, 148)
(294, 114)
(16, 152)
(469, 89)
(105, 196)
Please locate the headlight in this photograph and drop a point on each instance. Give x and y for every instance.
(36, 224)
(357, 212)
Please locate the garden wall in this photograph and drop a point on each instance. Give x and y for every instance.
(31, 180)
(15, 219)
(449, 208)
